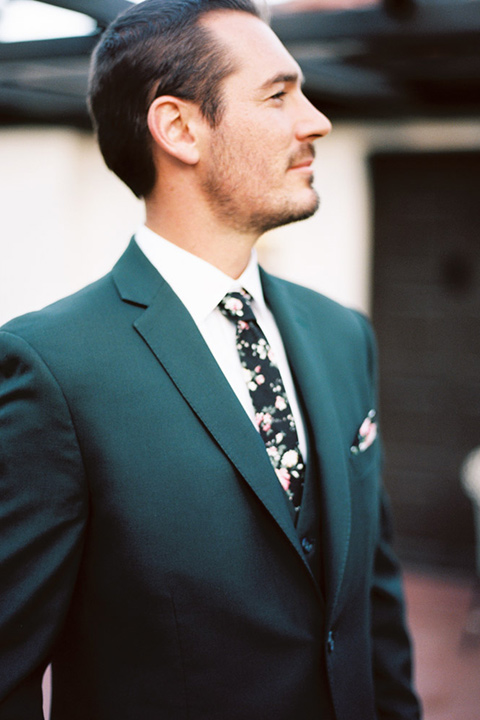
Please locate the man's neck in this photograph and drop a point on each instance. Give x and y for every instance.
(224, 248)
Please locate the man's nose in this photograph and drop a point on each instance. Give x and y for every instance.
(312, 123)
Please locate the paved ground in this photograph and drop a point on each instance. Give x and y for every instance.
(444, 615)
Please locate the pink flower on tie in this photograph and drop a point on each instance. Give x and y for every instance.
(284, 477)
(266, 423)
(234, 305)
(263, 421)
(260, 379)
(280, 403)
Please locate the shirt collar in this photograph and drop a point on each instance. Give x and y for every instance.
(198, 284)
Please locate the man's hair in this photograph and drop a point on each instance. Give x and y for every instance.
(154, 48)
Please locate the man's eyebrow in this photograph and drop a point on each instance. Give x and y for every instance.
(282, 78)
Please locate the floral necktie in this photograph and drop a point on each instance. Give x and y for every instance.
(273, 415)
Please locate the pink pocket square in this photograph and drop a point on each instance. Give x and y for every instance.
(366, 434)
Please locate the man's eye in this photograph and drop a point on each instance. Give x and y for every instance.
(279, 95)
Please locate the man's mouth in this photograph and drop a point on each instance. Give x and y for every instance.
(303, 161)
(305, 164)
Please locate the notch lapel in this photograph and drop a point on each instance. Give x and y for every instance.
(173, 337)
(315, 379)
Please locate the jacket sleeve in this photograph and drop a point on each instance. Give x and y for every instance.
(392, 664)
(392, 652)
(43, 509)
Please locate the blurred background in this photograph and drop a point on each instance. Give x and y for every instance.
(397, 236)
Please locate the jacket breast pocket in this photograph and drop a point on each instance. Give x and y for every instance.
(365, 464)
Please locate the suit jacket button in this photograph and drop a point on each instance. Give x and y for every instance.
(330, 642)
(307, 545)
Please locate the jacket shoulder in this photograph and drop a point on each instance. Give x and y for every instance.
(339, 318)
(63, 313)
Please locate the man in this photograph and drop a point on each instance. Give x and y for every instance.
(178, 542)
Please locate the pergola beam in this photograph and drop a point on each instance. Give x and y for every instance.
(373, 23)
(103, 11)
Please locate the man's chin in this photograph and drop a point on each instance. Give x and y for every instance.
(287, 213)
(302, 211)
(285, 219)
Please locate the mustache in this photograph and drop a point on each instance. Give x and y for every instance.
(306, 152)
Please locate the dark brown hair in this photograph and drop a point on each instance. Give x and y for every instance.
(154, 48)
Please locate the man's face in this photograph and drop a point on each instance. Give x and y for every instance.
(256, 171)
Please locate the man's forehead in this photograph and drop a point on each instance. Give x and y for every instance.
(252, 43)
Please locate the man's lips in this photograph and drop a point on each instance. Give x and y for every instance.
(301, 165)
(302, 162)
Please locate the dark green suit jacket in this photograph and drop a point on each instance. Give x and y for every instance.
(147, 549)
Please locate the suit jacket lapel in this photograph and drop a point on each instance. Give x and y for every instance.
(173, 337)
(315, 379)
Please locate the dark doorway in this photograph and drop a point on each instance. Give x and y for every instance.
(426, 310)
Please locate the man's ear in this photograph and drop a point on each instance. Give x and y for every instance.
(174, 125)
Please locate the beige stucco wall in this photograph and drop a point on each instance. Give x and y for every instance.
(64, 219)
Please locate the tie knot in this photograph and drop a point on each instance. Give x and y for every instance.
(236, 306)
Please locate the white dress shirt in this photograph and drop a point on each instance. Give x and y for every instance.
(200, 286)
